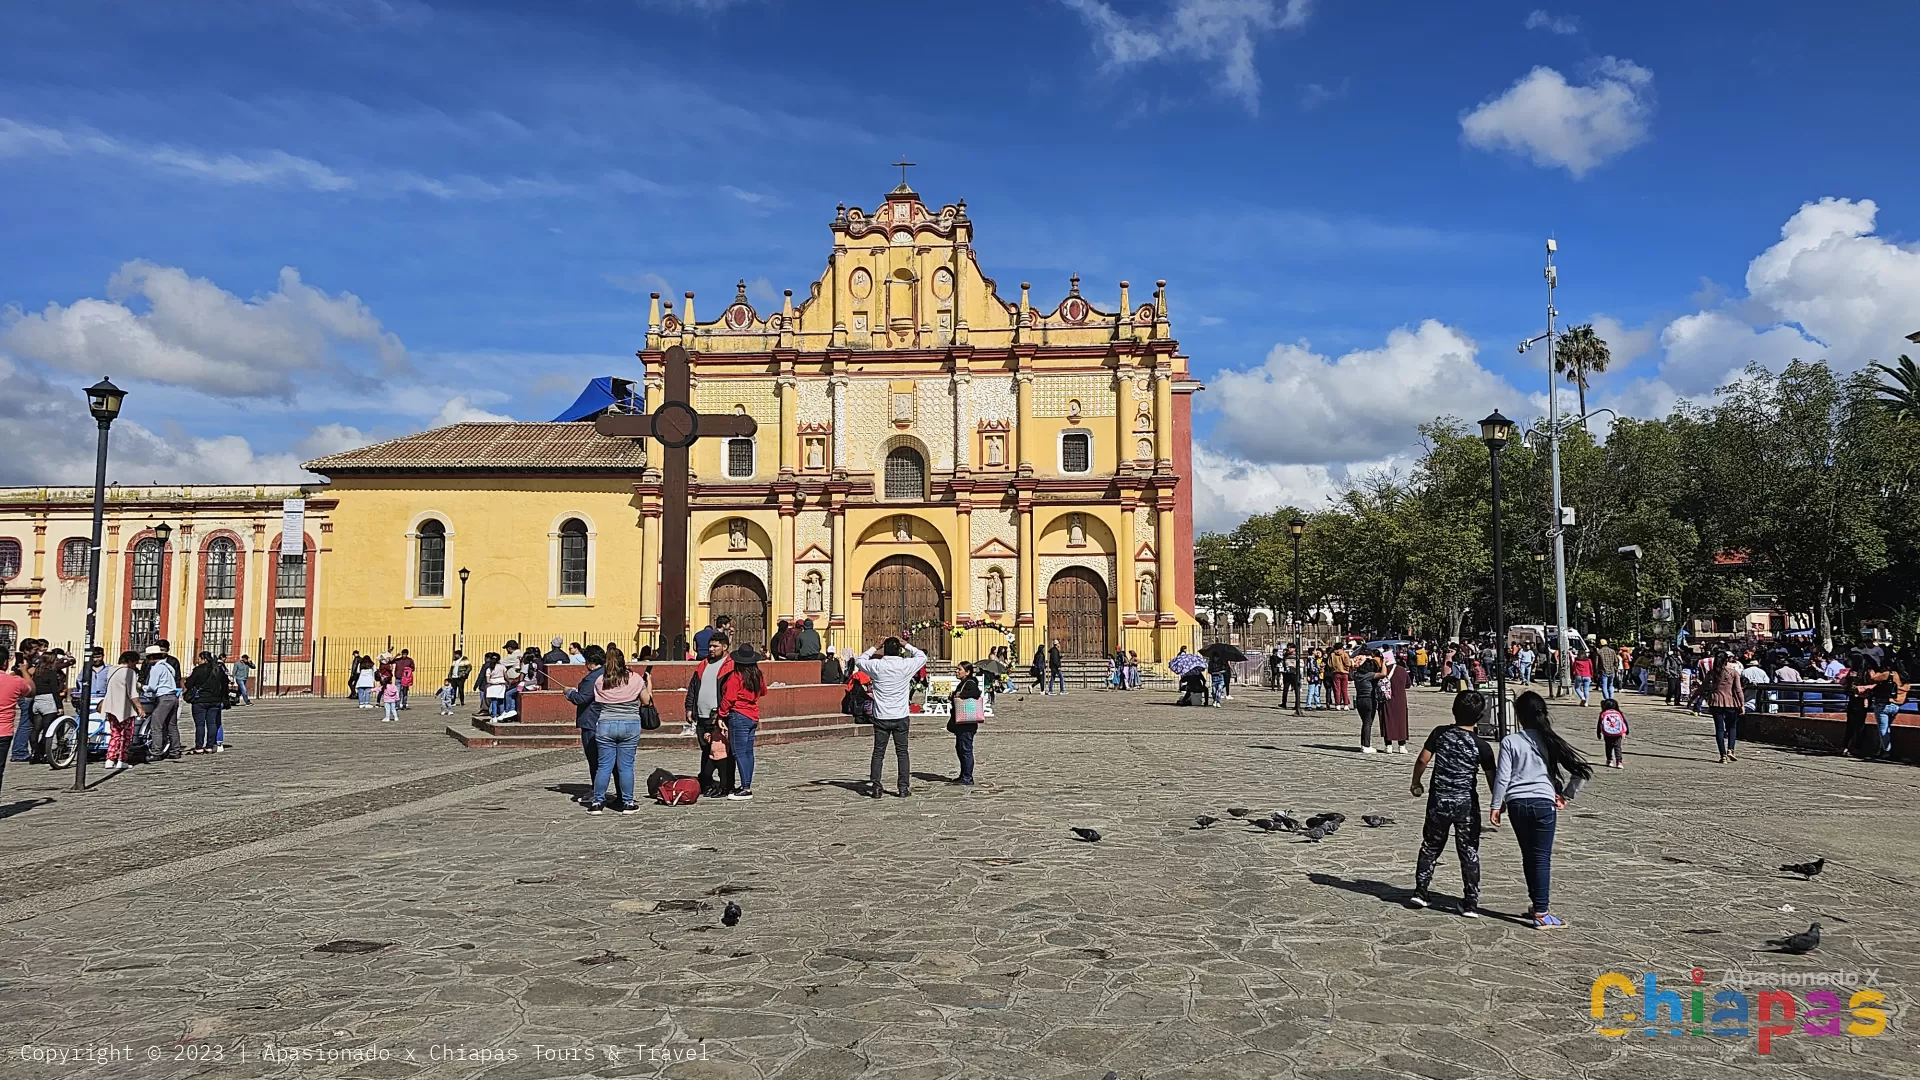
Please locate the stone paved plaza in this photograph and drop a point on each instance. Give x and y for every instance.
(174, 912)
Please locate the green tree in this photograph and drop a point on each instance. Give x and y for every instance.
(1902, 394)
(1579, 354)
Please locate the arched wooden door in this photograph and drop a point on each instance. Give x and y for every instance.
(738, 593)
(1077, 612)
(899, 592)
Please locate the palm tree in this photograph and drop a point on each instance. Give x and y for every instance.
(1903, 394)
(1579, 353)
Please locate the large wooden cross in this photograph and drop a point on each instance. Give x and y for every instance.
(675, 425)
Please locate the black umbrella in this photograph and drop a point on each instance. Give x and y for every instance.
(1224, 650)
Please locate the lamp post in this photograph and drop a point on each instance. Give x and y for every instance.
(1296, 527)
(103, 401)
(1213, 578)
(464, 574)
(1495, 431)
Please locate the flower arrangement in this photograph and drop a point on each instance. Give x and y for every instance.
(959, 629)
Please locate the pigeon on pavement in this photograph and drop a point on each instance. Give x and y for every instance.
(1288, 823)
(1315, 834)
(1091, 836)
(1376, 821)
(1798, 944)
(1329, 827)
(1205, 821)
(1269, 825)
(731, 916)
(1806, 869)
(1238, 811)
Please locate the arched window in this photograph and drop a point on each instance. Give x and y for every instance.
(573, 557)
(143, 626)
(9, 559)
(906, 474)
(76, 558)
(222, 558)
(433, 559)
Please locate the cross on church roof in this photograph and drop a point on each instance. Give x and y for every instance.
(903, 165)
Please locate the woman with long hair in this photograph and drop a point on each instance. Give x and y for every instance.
(740, 709)
(1537, 774)
(965, 721)
(121, 707)
(1366, 674)
(620, 693)
(1726, 699)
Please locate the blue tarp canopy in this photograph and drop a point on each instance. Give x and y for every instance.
(605, 394)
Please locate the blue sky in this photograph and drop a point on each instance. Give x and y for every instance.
(292, 227)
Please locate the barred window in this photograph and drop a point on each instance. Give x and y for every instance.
(143, 629)
(146, 573)
(9, 634)
(433, 560)
(221, 561)
(216, 631)
(573, 558)
(739, 458)
(76, 557)
(289, 631)
(1076, 452)
(9, 558)
(291, 581)
(906, 474)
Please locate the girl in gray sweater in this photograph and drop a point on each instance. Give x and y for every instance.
(1529, 787)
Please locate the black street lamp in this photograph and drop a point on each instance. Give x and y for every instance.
(103, 401)
(1296, 527)
(1213, 576)
(1496, 431)
(464, 574)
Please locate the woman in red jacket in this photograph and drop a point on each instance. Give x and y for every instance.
(740, 704)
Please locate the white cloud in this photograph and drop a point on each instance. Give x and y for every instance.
(1217, 33)
(190, 332)
(1229, 489)
(271, 167)
(1314, 95)
(50, 441)
(1300, 407)
(1552, 24)
(1625, 344)
(460, 410)
(1558, 124)
(330, 439)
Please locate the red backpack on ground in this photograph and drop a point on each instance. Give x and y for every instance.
(682, 792)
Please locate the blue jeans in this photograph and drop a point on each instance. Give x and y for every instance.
(1534, 821)
(1313, 694)
(1607, 686)
(1583, 685)
(1526, 673)
(366, 695)
(740, 733)
(1055, 678)
(240, 684)
(618, 740)
(1726, 729)
(1219, 685)
(23, 730)
(496, 706)
(1885, 713)
(963, 749)
(206, 726)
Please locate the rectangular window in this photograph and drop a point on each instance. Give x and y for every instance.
(289, 631)
(146, 573)
(573, 564)
(291, 581)
(216, 631)
(1076, 452)
(433, 564)
(144, 629)
(739, 458)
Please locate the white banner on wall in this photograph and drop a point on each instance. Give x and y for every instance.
(293, 527)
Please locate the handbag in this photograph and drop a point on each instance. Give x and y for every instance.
(649, 718)
(966, 710)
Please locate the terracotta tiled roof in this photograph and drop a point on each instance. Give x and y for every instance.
(513, 447)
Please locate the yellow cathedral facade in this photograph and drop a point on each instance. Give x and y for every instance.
(932, 459)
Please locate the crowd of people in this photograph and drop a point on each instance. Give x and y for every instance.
(139, 699)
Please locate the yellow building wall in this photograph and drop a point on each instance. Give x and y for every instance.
(505, 531)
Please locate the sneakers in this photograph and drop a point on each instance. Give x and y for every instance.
(966, 781)
(1368, 750)
(1469, 911)
(1418, 900)
(741, 795)
(596, 808)
(686, 730)
(112, 765)
(629, 808)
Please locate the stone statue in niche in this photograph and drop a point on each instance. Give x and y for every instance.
(902, 528)
(1146, 592)
(737, 534)
(1143, 450)
(996, 591)
(1143, 417)
(1076, 532)
(814, 590)
(996, 450)
(1073, 409)
(816, 453)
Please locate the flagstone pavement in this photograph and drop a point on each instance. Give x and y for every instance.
(165, 923)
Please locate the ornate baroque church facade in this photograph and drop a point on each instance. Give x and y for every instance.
(930, 452)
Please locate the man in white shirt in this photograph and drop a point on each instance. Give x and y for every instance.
(1526, 664)
(1755, 677)
(891, 665)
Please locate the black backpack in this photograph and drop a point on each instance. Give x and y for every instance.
(857, 702)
